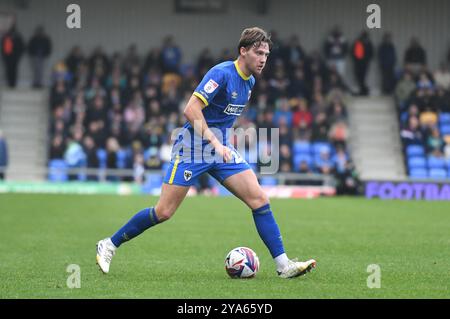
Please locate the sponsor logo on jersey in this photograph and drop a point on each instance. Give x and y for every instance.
(234, 95)
(210, 86)
(187, 175)
(233, 109)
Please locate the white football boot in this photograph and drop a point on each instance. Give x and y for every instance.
(105, 252)
(297, 268)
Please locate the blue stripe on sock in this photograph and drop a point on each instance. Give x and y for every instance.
(153, 218)
(262, 210)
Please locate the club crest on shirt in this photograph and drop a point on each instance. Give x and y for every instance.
(187, 175)
(210, 86)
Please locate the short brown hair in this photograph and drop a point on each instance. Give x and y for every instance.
(253, 37)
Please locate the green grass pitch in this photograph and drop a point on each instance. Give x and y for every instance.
(184, 258)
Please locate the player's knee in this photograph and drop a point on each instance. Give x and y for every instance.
(164, 213)
(260, 200)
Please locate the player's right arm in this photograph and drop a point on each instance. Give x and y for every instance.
(212, 83)
(193, 113)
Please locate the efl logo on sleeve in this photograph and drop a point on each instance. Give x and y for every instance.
(210, 86)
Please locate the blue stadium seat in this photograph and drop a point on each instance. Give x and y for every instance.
(319, 146)
(415, 150)
(417, 162)
(435, 162)
(301, 147)
(300, 158)
(444, 118)
(58, 171)
(418, 173)
(268, 181)
(438, 173)
(445, 129)
(101, 155)
(122, 157)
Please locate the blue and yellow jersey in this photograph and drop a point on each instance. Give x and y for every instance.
(225, 91)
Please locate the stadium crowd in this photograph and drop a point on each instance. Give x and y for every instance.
(118, 111)
(423, 98)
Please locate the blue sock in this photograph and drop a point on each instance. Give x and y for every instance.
(136, 225)
(268, 230)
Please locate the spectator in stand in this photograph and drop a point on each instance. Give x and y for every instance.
(13, 48)
(3, 155)
(131, 59)
(428, 119)
(435, 143)
(324, 163)
(424, 81)
(341, 160)
(362, 54)
(285, 133)
(138, 168)
(387, 58)
(320, 127)
(336, 50)
(293, 54)
(279, 84)
(276, 54)
(112, 147)
(152, 159)
(285, 155)
(57, 148)
(99, 61)
(318, 104)
(298, 86)
(442, 100)
(58, 93)
(339, 133)
(204, 62)
(412, 134)
(415, 57)
(170, 56)
(134, 115)
(74, 59)
(442, 76)
(226, 55)
(74, 154)
(90, 150)
(304, 168)
(413, 111)
(283, 112)
(301, 114)
(337, 112)
(404, 89)
(348, 182)
(447, 149)
(39, 49)
(153, 61)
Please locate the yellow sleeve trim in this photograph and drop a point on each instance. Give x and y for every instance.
(174, 169)
(201, 97)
